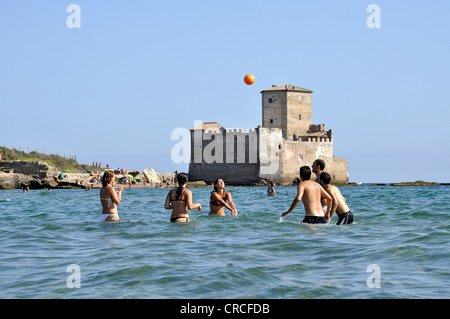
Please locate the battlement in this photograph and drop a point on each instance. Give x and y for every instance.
(317, 139)
(313, 128)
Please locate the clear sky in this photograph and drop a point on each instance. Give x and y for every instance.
(114, 90)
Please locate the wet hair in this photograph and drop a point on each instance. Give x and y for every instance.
(107, 178)
(325, 178)
(182, 179)
(320, 163)
(215, 183)
(305, 173)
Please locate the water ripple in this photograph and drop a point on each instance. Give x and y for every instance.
(403, 230)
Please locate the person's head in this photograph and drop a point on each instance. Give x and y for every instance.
(325, 178)
(107, 178)
(305, 173)
(318, 165)
(219, 184)
(182, 180)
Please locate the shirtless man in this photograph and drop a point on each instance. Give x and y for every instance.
(317, 167)
(311, 193)
(339, 202)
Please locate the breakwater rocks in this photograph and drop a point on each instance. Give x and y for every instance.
(20, 174)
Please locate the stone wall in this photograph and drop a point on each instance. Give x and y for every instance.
(336, 167)
(238, 157)
(298, 114)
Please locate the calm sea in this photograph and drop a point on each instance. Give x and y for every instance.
(53, 242)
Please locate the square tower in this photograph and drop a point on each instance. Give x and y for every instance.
(287, 107)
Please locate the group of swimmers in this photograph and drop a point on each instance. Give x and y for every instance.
(314, 194)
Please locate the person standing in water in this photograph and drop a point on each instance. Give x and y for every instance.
(311, 193)
(317, 167)
(219, 198)
(345, 216)
(179, 200)
(271, 189)
(109, 197)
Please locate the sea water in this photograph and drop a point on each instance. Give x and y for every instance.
(54, 245)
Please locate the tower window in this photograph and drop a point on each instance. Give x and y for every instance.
(299, 116)
(270, 100)
(271, 121)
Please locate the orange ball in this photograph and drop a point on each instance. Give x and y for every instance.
(249, 79)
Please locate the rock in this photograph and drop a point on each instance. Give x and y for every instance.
(416, 183)
(196, 184)
(152, 176)
(27, 173)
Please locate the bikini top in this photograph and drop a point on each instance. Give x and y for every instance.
(181, 199)
(216, 202)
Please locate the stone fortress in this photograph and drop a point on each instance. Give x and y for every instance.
(276, 150)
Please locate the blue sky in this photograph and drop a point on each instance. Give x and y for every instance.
(113, 90)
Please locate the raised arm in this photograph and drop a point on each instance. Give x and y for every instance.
(191, 206)
(296, 200)
(234, 212)
(219, 199)
(116, 197)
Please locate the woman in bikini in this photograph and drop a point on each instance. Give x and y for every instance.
(219, 198)
(179, 200)
(271, 189)
(109, 197)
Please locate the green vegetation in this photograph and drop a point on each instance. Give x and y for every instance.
(61, 163)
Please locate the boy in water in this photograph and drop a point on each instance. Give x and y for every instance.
(311, 193)
(339, 202)
(317, 167)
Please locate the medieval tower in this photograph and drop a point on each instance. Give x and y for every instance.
(286, 141)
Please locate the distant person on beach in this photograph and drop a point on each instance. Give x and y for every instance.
(179, 200)
(109, 197)
(311, 193)
(345, 216)
(271, 189)
(219, 198)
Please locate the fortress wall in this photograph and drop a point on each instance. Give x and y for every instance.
(270, 141)
(336, 167)
(322, 146)
(231, 155)
(296, 151)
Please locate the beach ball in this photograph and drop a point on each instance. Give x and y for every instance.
(249, 79)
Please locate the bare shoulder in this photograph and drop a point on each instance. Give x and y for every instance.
(309, 184)
(334, 189)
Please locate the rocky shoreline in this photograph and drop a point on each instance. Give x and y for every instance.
(21, 174)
